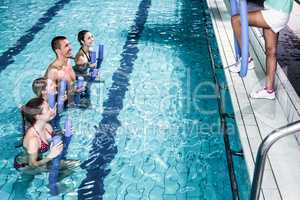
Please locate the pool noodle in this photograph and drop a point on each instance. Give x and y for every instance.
(67, 137)
(61, 93)
(54, 170)
(245, 37)
(234, 11)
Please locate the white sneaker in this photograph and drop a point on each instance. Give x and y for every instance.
(236, 68)
(263, 94)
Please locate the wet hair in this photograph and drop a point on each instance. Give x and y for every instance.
(39, 85)
(81, 35)
(55, 43)
(25, 124)
(31, 109)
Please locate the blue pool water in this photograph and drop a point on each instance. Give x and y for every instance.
(153, 131)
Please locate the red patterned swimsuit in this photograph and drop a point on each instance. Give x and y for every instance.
(44, 147)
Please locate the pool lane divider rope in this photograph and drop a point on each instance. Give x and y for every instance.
(103, 145)
(7, 57)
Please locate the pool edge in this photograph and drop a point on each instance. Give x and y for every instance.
(250, 122)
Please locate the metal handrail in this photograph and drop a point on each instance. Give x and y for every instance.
(264, 147)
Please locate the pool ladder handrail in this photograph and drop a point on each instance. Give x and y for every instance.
(263, 149)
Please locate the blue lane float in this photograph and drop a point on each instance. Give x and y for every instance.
(94, 71)
(61, 95)
(55, 122)
(93, 57)
(54, 170)
(99, 60)
(245, 37)
(244, 51)
(79, 88)
(100, 55)
(55, 167)
(51, 99)
(234, 11)
(67, 137)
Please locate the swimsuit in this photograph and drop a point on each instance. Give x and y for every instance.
(87, 56)
(44, 147)
(82, 70)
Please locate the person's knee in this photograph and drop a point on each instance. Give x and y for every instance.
(235, 20)
(271, 51)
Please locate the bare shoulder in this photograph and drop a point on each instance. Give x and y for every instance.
(78, 54)
(30, 139)
(79, 58)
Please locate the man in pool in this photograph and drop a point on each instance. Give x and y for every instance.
(272, 19)
(61, 68)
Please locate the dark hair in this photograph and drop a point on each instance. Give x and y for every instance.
(81, 35)
(32, 108)
(38, 85)
(55, 42)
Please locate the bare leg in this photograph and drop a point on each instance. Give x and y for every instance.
(255, 18)
(271, 40)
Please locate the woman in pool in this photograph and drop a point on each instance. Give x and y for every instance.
(35, 143)
(82, 58)
(83, 63)
(36, 139)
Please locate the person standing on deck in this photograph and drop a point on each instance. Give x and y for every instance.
(271, 19)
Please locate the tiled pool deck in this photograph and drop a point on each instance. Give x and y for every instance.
(257, 118)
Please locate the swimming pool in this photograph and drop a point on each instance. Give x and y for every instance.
(153, 131)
